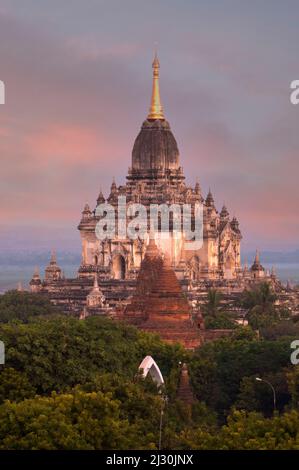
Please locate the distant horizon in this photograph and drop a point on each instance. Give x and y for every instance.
(17, 265)
(75, 251)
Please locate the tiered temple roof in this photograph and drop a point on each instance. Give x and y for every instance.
(159, 304)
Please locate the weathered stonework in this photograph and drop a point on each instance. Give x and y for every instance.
(159, 304)
(155, 177)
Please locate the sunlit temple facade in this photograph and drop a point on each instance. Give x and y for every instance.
(107, 276)
(156, 177)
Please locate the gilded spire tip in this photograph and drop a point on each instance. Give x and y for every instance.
(156, 108)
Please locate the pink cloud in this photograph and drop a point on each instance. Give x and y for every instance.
(88, 47)
(75, 106)
(64, 143)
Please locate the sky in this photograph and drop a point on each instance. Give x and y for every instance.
(78, 85)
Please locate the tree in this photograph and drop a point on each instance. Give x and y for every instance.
(70, 421)
(259, 301)
(59, 353)
(218, 368)
(221, 321)
(245, 431)
(293, 385)
(139, 399)
(282, 329)
(258, 396)
(260, 295)
(245, 333)
(15, 385)
(254, 432)
(213, 313)
(22, 306)
(212, 305)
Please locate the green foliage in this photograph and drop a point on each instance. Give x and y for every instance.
(260, 295)
(139, 399)
(258, 396)
(282, 329)
(245, 431)
(57, 354)
(127, 418)
(221, 321)
(244, 333)
(249, 396)
(284, 313)
(293, 384)
(213, 312)
(96, 356)
(73, 384)
(259, 301)
(253, 431)
(70, 421)
(15, 305)
(257, 318)
(180, 417)
(217, 368)
(212, 307)
(193, 439)
(14, 385)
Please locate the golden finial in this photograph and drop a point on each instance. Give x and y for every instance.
(156, 109)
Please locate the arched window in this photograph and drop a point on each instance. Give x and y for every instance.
(119, 267)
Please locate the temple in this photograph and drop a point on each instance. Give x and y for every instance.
(159, 305)
(156, 177)
(154, 281)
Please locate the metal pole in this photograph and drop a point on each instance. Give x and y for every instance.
(161, 424)
(274, 394)
(163, 404)
(272, 388)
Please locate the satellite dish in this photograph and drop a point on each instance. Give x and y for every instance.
(149, 366)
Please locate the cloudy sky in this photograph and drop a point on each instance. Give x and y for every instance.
(78, 84)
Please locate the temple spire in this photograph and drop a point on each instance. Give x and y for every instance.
(95, 283)
(53, 259)
(156, 109)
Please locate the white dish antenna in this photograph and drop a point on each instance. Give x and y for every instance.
(149, 366)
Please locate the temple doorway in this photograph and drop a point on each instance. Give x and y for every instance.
(119, 267)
